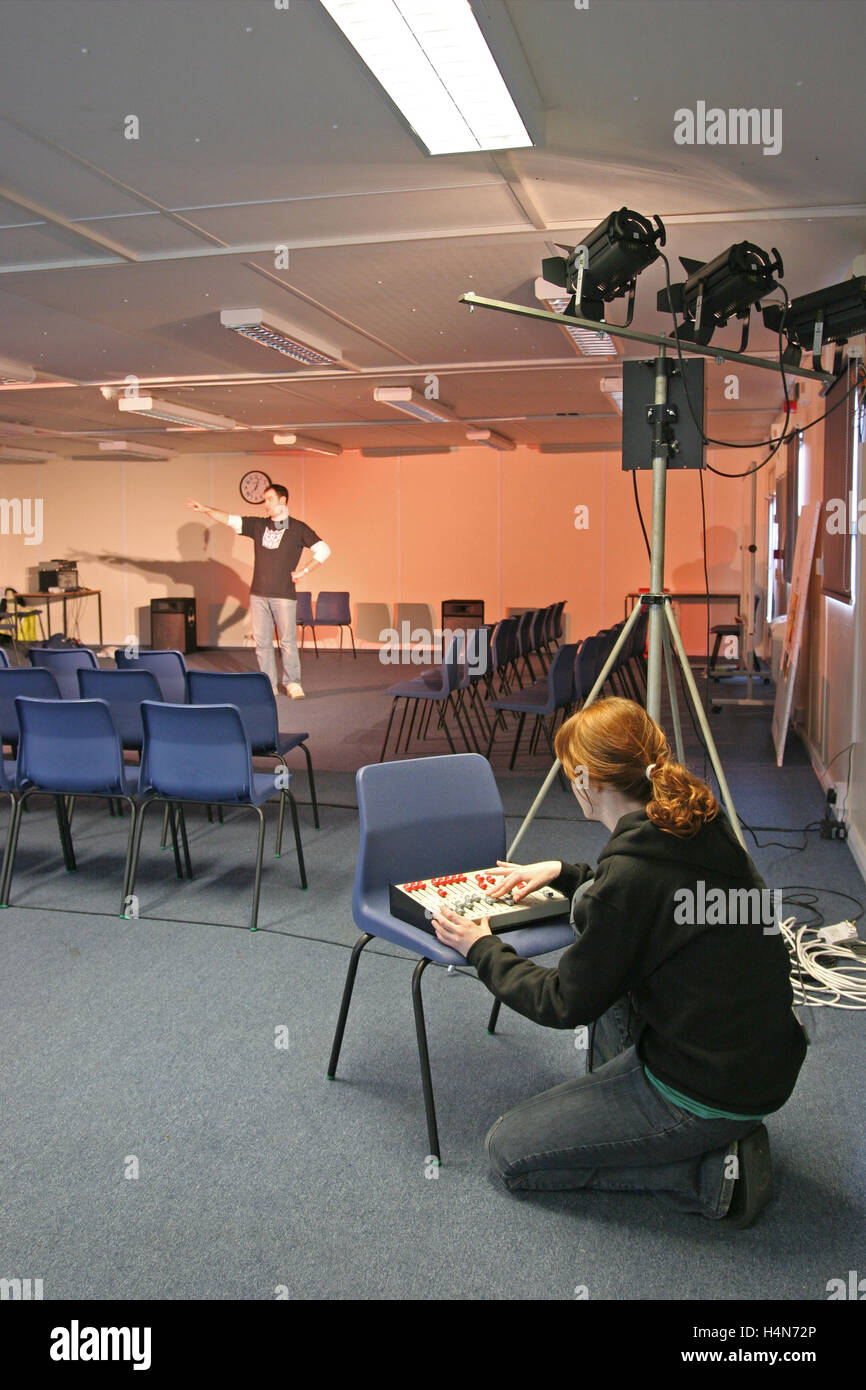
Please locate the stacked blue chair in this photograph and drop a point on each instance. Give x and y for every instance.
(169, 668)
(333, 609)
(304, 616)
(440, 688)
(69, 748)
(200, 753)
(544, 700)
(64, 663)
(417, 818)
(251, 693)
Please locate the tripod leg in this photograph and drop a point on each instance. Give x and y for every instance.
(705, 728)
(675, 707)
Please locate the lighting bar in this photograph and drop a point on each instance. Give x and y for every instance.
(435, 65)
(127, 450)
(491, 439)
(175, 414)
(25, 455)
(389, 451)
(612, 386)
(307, 445)
(411, 402)
(263, 327)
(589, 343)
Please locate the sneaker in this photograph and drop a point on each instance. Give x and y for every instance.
(295, 691)
(754, 1185)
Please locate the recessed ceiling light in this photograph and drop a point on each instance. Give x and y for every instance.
(434, 63)
(612, 387)
(491, 439)
(175, 414)
(305, 444)
(411, 402)
(13, 372)
(24, 455)
(127, 450)
(261, 326)
(591, 344)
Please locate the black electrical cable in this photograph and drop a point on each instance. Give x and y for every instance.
(640, 513)
(782, 829)
(808, 888)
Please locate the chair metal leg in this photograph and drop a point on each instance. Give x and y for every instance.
(65, 834)
(352, 635)
(136, 847)
(345, 1002)
(260, 849)
(165, 825)
(415, 704)
(172, 825)
(402, 721)
(520, 724)
(388, 730)
(9, 853)
(181, 820)
(494, 1014)
(127, 868)
(312, 781)
(298, 846)
(424, 1058)
(496, 723)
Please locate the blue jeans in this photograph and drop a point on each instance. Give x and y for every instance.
(613, 1131)
(279, 613)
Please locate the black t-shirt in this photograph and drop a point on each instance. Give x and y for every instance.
(277, 554)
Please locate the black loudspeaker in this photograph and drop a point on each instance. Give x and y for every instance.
(172, 624)
(462, 613)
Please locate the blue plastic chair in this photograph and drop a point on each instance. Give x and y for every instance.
(69, 748)
(123, 692)
(4, 660)
(33, 682)
(251, 693)
(427, 816)
(7, 788)
(169, 668)
(544, 699)
(64, 663)
(304, 616)
(439, 687)
(334, 610)
(200, 753)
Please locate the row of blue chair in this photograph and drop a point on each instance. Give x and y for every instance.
(486, 658)
(189, 753)
(164, 675)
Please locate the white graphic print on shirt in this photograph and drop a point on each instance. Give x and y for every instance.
(271, 539)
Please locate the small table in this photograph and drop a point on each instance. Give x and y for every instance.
(63, 597)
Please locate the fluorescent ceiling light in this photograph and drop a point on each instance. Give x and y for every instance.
(585, 340)
(306, 444)
(175, 414)
(14, 372)
(25, 455)
(126, 450)
(434, 63)
(261, 326)
(391, 451)
(411, 402)
(612, 386)
(491, 439)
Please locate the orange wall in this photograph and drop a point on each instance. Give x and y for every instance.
(410, 532)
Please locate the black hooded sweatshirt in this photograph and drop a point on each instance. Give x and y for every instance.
(712, 1002)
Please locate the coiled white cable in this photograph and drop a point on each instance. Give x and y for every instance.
(825, 987)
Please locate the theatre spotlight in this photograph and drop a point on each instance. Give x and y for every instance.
(721, 289)
(606, 264)
(826, 316)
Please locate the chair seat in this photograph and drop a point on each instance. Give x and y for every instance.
(286, 742)
(418, 689)
(66, 787)
(378, 919)
(534, 700)
(262, 790)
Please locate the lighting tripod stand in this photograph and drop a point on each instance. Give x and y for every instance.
(663, 630)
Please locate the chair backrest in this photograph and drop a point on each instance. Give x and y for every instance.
(332, 606)
(123, 692)
(250, 692)
(304, 610)
(536, 629)
(426, 816)
(4, 660)
(524, 625)
(506, 649)
(169, 668)
(64, 663)
(69, 746)
(556, 626)
(34, 682)
(586, 666)
(195, 753)
(560, 677)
